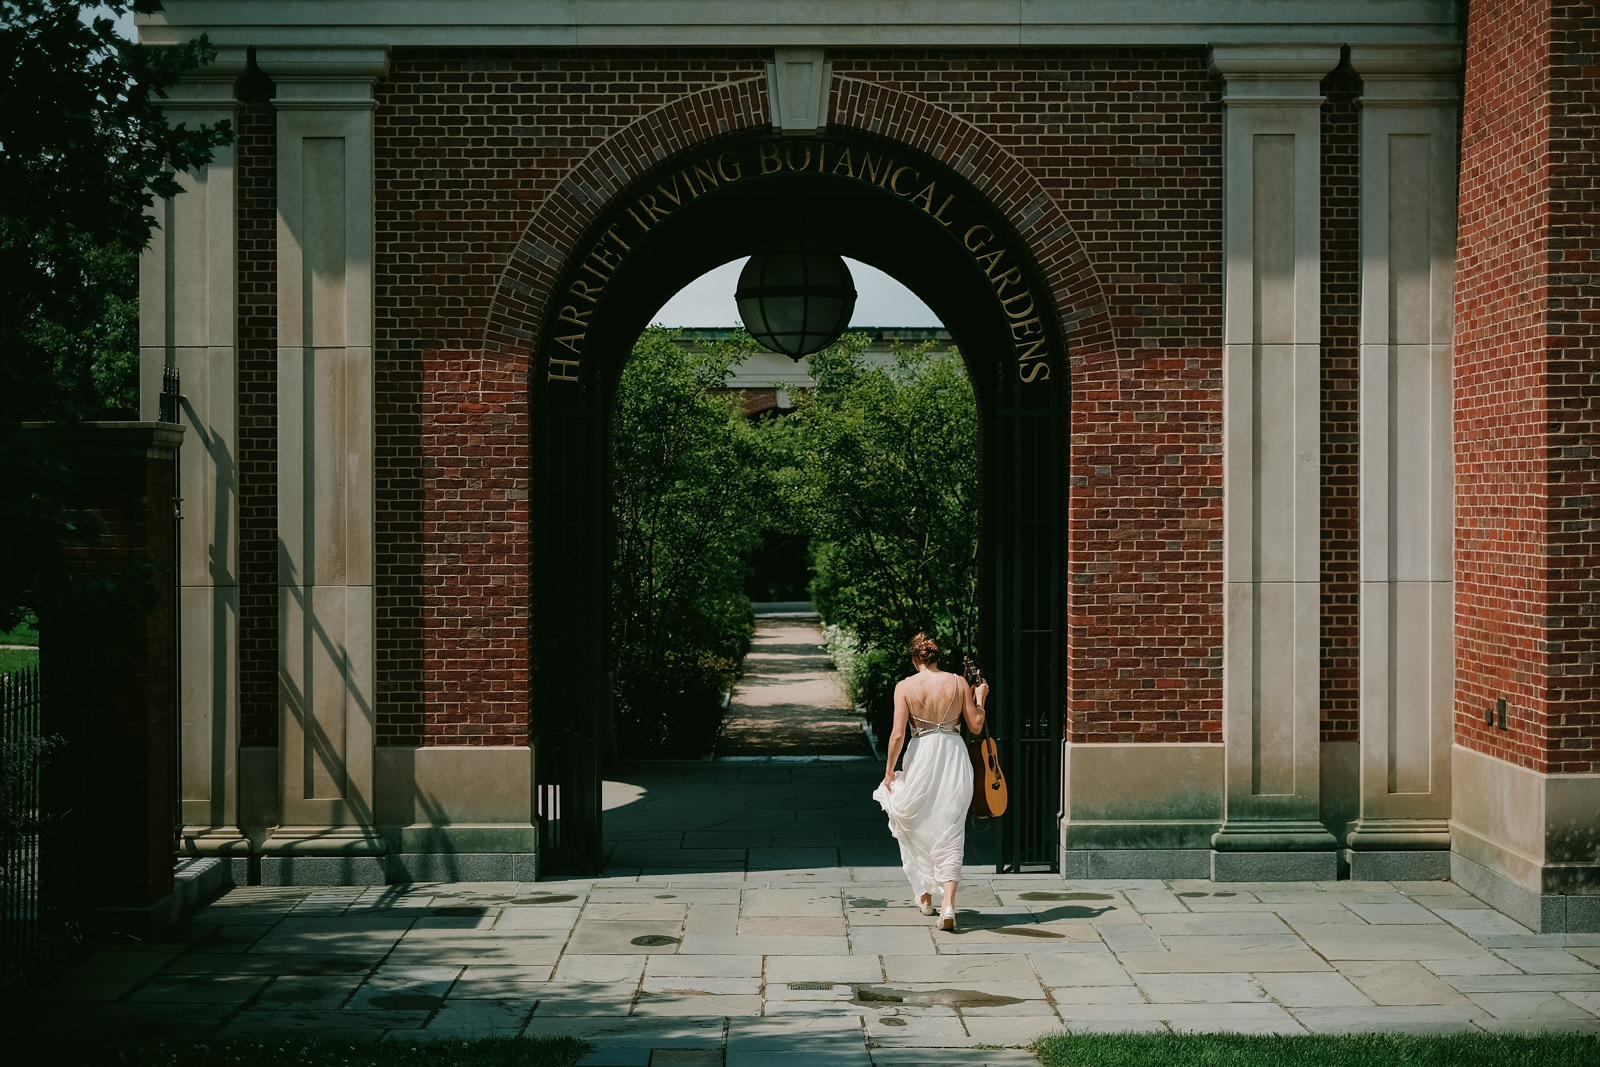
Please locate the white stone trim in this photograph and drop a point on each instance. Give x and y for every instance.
(1272, 211)
(797, 88)
(1530, 841)
(835, 23)
(1407, 616)
(326, 633)
(188, 320)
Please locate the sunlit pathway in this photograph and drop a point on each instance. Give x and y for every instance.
(790, 701)
(814, 964)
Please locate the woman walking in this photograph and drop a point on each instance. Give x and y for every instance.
(927, 801)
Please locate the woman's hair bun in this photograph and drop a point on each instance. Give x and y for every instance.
(924, 649)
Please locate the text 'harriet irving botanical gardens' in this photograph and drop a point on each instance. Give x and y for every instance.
(698, 177)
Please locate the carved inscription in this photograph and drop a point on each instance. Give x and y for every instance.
(698, 177)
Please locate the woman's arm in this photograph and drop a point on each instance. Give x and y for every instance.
(976, 716)
(897, 734)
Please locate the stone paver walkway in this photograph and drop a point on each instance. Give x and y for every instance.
(739, 931)
(754, 913)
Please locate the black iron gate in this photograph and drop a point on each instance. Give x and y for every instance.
(45, 857)
(1025, 542)
(569, 698)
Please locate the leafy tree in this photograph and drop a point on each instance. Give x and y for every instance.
(688, 477)
(888, 481)
(84, 150)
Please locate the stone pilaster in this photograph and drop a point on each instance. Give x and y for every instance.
(1271, 451)
(1408, 240)
(188, 322)
(326, 660)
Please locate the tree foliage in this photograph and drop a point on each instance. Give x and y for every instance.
(688, 478)
(84, 151)
(888, 481)
(878, 466)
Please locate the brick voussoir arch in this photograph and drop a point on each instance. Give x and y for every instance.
(1081, 305)
(522, 296)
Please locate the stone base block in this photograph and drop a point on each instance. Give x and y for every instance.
(1545, 913)
(1322, 866)
(323, 870)
(1136, 863)
(395, 869)
(197, 881)
(462, 867)
(213, 841)
(1412, 866)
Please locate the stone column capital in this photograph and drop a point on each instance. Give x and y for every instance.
(323, 78)
(211, 87)
(1261, 75)
(1407, 75)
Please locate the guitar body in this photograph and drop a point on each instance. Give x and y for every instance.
(988, 783)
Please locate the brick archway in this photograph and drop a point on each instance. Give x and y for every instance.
(729, 196)
(522, 298)
(521, 301)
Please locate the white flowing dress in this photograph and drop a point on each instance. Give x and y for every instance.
(927, 808)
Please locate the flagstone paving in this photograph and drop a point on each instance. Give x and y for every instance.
(754, 913)
(741, 965)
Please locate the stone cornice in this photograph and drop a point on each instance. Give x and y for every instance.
(825, 23)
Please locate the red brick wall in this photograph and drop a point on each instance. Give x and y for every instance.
(487, 167)
(1573, 391)
(1128, 146)
(1526, 436)
(468, 146)
(256, 167)
(1124, 148)
(474, 429)
(1341, 415)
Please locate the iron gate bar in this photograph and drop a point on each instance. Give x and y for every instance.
(565, 701)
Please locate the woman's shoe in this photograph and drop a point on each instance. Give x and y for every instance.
(925, 903)
(947, 919)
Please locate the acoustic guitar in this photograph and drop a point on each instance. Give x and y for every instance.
(988, 782)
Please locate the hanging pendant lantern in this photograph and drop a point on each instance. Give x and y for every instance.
(795, 297)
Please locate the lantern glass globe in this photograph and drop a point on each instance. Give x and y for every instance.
(795, 297)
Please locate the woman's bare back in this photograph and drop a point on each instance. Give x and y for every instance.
(934, 698)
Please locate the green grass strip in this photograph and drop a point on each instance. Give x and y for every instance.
(14, 659)
(1355, 1050)
(331, 1052)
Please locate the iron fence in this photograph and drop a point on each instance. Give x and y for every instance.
(43, 742)
(171, 395)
